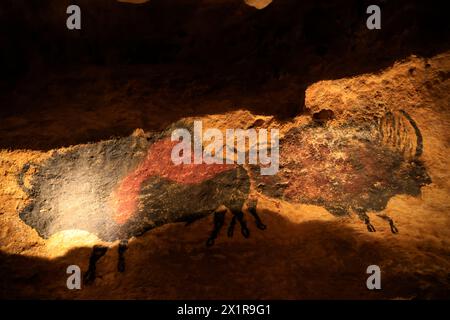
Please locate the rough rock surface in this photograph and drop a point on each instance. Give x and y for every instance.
(306, 252)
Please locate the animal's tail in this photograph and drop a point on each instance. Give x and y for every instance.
(21, 177)
(400, 132)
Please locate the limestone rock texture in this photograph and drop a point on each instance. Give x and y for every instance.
(344, 98)
(306, 252)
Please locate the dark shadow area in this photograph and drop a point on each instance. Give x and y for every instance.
(149, 65)
(311, 260)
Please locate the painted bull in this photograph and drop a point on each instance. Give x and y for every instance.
(122, 188)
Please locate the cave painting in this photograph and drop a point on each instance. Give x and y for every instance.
(124, 187)
(352, 168)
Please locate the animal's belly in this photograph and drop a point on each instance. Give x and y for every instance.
(163, 201)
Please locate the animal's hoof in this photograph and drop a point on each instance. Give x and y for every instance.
(371, 228)
(261, 226)
(394, 229)
(258, 222)
(245, 232)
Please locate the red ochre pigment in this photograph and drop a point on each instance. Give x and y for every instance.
(158, 162)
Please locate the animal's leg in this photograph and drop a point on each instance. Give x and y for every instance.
(364, 217)
(252, 210)
(123, 246)
(231, 226)
(219, 218)
(97, 253)
(240, 217)
(391, 222)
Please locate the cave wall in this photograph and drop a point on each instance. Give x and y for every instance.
(147, 65)
(326, 39)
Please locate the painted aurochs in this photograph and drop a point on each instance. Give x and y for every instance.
(124, 187)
